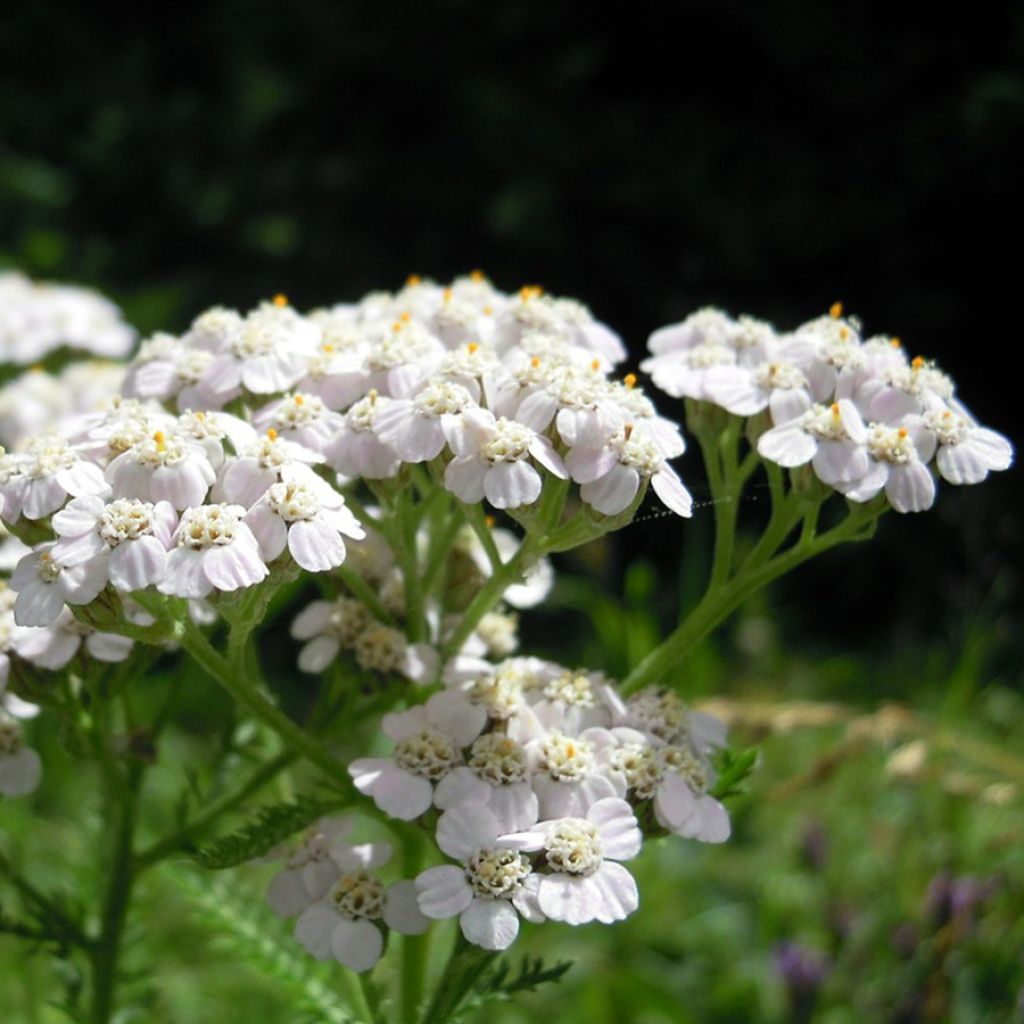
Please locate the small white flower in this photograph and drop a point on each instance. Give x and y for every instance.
(310, 521)
(898, 463)
(832, 438)
(129, 536)
(567, 774)
(967, 452)
(38, 482)
(778, 384)
(402, 785)
(163, 466)
(301, 418)
(45, 584)
(416, 428)
(382, 648)
(586, 882)
(52, 647)
(214, 549)
(612, 469)
(356, 450)
(343, 924)
(311, 866)
(682, 803)
(248, 476)
(327, 627)
(496, 773)
(266, 353)
(492, 461)
(492, 888)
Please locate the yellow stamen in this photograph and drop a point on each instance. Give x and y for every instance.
(472, 347)
(412, 280)
(917, 362)
(535, 362)
(476, 276)
(489, 522)
(902, 431)
(280, 300)
(844, 333)
(835, 310)
(327, 347)
(628, 430)
(397, 326)
(299, 400)
(161, 441)
(446, 295)
(272, 434)
(372, 395)
(835, 408)
(405, 317)
(595, 364)
(629, 380)
(895, 342)
(488, 310)
(947, 415)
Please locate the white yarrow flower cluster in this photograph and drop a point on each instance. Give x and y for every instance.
(863, 415)
(542, 777)
(38, 318)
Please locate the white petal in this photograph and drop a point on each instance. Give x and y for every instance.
(490, 924)
(185, 576)
(512, 484)
(673, 494)
(357, 944)
(315, 546)
(287, 893)
(402, 795)
(614, 492)
(621, 838)
(464, 477)
(137, 564)
(787, 445)
(20, 773)
(910, 487)
(618, 892)
(318, 654)
(465, 828)
(462, 785)
(314, 928)
(232, 566)
(38, 604)
(443, 891)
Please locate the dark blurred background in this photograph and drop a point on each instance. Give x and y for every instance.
(648, 159)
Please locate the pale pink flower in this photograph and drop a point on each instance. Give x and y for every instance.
(165, 466)
(45, 585)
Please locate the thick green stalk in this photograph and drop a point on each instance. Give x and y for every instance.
(720, 601)
(414, 947)
(121, 879)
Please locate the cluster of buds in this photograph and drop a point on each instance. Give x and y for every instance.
(860, 412)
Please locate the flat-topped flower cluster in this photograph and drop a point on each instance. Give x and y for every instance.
(537, 782)
(863, 414)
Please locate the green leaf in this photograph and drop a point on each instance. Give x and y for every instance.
(272, 825)
(733, 768)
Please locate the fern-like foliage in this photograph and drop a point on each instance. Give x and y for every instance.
(271, 825)
(256, 938)
(502, 982)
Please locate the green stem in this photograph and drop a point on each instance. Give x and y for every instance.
(212, 813)
(358, 587)
(414, 947)
(107, 951)
(48, 909)
(719, 602)
(464, 969)
(246, 693)
(487, 597)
